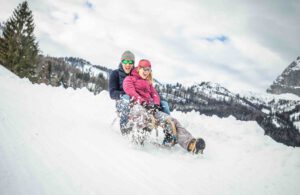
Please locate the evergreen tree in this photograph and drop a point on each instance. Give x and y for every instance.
(1, 41)
(18, 48)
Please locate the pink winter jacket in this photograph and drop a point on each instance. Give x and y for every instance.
(140, 89)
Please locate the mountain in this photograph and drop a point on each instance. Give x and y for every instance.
(87, 67)
(288, 81)
(280, 118)
(62, 141)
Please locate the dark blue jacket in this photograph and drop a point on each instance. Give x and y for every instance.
(115, 84)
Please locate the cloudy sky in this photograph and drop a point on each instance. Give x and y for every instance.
(243, 45)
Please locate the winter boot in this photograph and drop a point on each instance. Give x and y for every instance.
(196, 146)
(167, 139)
(148, 129)
(126, 130)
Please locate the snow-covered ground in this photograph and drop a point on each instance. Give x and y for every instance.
(57, 141)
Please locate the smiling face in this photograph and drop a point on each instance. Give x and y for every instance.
(144, 72)
(127, 65)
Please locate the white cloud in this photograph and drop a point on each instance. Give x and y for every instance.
(263, 37)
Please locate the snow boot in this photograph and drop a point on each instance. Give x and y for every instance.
(126, 130)
(169, 139)
(196, 146)
(148, 129)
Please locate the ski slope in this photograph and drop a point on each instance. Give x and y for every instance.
(58, 141)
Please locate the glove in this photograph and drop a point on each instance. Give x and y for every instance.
(153, 108)
(157, 107)
(121, 94)
(144, 104)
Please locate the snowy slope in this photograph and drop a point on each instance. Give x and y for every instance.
(58, 141)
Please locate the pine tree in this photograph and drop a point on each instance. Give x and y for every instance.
(18, 48)
(1, 42)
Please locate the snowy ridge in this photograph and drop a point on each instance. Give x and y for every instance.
(60, 141)
(215, 90)
(85, 66)
(267, 97)
(294, 66)
(282, 102)
(288, 81)
(268, 103)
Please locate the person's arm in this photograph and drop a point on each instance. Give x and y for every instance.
(113, 86)
(154, 95)
(129, 88)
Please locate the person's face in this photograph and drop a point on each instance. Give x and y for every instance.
(127, 65)
(144, 72)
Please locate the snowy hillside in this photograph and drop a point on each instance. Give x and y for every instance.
(60, 141)
(71, 72)
(86, 66)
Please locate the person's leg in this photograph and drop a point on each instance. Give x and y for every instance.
(165, 107)
(123, 108)
(187, 141)
(183, 136)
(140, 121)
(140, 117)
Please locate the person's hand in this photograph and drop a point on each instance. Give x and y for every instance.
(153, 108)
(157, 107)
(121, 94)
(144, 104)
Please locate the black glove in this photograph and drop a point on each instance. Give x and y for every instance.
(153, 108)
(157, 107)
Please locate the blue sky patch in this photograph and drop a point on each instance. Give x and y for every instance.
(88, 4)
(221, 38)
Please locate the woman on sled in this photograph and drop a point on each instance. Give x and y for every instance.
(147, 113)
